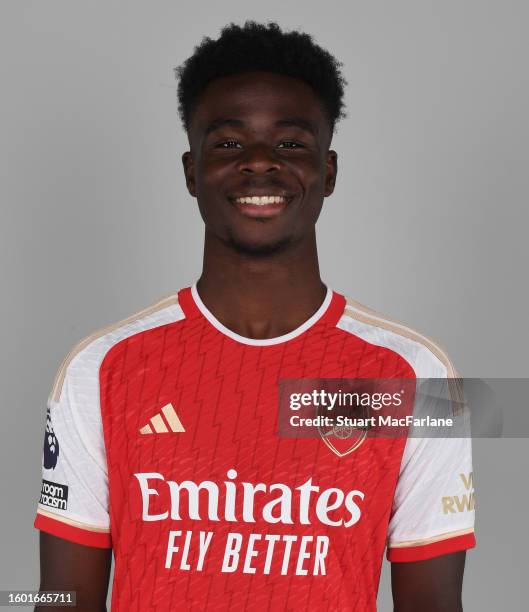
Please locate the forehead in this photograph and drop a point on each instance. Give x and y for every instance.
(259, 99)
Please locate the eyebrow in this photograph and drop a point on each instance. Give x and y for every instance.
(219, 123)
(298, 122)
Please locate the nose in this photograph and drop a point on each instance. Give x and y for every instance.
(259, 159)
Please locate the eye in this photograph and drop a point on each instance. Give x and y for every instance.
(228, 144)
(290, 144)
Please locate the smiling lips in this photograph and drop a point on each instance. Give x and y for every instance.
(262, 206)
(261, 200)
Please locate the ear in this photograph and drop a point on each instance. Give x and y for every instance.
(189, 172)
(331, 169)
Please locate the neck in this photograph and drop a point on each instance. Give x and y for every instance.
(261, 296)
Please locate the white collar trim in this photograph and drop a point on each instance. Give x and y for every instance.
(265, 341)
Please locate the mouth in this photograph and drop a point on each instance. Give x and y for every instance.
(262, 200)
(261, 206)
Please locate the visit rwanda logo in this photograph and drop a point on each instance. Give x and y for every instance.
(51, 445)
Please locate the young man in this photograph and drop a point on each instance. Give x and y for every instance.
(162, 436)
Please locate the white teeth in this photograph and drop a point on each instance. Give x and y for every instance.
(261, 200)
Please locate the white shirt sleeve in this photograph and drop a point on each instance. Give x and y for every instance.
(74, 502)
(74, 497)
(433, 508)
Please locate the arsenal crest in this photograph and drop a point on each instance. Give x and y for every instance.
(347, 429)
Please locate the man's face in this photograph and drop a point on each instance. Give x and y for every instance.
(259, 163)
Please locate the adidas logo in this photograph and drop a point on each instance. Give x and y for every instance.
(159, 424)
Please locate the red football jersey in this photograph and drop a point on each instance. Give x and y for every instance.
(162, 442)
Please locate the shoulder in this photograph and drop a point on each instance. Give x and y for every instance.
(425, 355)
(83, 361)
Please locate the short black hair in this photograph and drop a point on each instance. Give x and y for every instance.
(258, 46)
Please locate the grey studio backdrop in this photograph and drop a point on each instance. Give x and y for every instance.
(428, 223)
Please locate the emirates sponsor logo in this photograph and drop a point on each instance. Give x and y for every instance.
(245, 502)
(285, 505)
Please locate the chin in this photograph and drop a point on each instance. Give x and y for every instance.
(256, 248)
